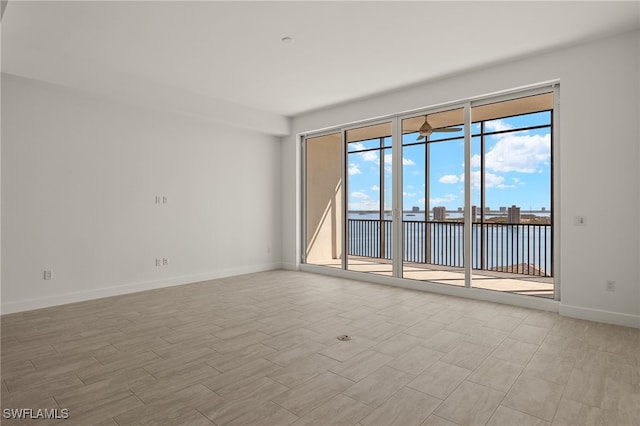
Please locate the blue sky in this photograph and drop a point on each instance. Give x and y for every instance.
(517, 169)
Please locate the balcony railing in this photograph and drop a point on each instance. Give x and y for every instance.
(524, 249)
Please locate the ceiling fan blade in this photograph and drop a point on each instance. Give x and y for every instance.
(447, 129)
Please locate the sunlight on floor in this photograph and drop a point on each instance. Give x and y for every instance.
(511, 283)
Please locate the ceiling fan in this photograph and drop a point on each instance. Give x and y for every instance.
(426, 130)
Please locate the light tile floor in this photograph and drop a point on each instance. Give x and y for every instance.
(261, 349)
(488, 280)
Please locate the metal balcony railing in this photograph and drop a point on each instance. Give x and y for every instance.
(524, 249)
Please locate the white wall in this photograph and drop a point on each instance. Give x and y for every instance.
(79, 178)
(597, 157)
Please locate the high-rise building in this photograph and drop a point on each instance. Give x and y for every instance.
(514, 214)
(439, 213)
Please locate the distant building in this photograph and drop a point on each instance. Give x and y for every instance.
(487, 209)
(415, 209)
(460, 209)
(514, 214)
(474, 213)
(544, 209)
(503, 209)
(439, 213)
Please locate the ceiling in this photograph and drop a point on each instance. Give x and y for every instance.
(231, 52)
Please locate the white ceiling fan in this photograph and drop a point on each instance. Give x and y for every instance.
(426, 129)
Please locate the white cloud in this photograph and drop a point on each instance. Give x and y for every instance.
(375, 188)
(475, 161)
(405, 161)
(364, 205)
(369, 156)
(449, 179)
(497, 125)
(360, 200)
(490, 180)
(443, 200)
(516, 151)
(519, 153)
(409, 194)
(360, 195)
(365, 156)
(354, 169)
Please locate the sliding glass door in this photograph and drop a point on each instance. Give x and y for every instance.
(511, 165)
(323, 200)
(369, 198)
(433, 196)
(459, 195)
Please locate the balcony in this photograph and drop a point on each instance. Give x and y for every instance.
(515, 258)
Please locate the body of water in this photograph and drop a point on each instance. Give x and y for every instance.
(453, 214)
(495, 246)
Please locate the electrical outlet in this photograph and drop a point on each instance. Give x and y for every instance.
(165, 261)
(165, 200)
(611, 285)
(47, 274)
(158, 262)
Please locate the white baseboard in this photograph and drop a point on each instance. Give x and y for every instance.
(608, 317)
(588, 314)
(81, 296)
(290, 266)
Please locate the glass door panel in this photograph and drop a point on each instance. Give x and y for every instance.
(324, 200)
(369, 199)
(512, 240)
(433, 197)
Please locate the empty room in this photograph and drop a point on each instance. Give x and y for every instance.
(356, 213)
